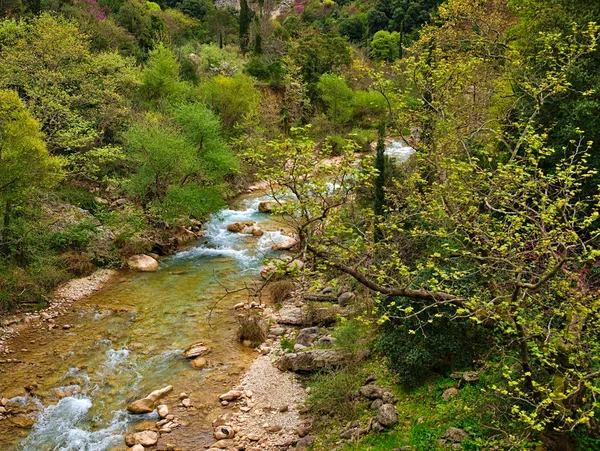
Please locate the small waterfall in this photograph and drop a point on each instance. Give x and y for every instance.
(247, 251)
(398, 150)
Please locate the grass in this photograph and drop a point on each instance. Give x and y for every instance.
(251, 328)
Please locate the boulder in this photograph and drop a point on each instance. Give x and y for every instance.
(224, 432)
(136, 448)
(143, 263)
(313, 360)
(307, 336)
(305, 442)
(239, 227)
(257, 231)
(471, 377)
(345, 298)
(146, 438)
(455, 435)
(144, 405)
(372, 391)
(449, 393)
(387, 415)
(266, 207)
(231, 395)
(196, 350)
(285, 245)
(163, 410)
(375, 405)
(199, 363)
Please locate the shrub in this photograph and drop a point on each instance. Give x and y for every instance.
(77, 263)
(334, 395)
(436, 347)
(280, 290)
(251, 328)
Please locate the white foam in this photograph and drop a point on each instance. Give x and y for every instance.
(61, 427)
(398, 150)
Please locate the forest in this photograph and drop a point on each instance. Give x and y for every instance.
(472, 266)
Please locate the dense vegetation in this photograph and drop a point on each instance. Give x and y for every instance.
(479, 252)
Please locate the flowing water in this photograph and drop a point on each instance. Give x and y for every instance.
(128, 339)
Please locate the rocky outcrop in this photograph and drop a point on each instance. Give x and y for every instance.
(143, 263)
(312, 360)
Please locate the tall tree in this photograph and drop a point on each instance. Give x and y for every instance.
(245, 21)
(25, 165)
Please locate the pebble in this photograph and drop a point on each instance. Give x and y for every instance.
(186, 402)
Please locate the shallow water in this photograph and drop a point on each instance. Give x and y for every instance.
(127, 340)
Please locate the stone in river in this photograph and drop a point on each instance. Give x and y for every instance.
(231, 395)
(144, 405)
(146, 438)
(199, 362)
(143, 263)
(196, 350)
(163, 411)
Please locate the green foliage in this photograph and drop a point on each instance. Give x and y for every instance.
(25, 166)
(439, 347)
(81, 100)
(317, 54)
(333, 396)
(337, 96)
(231, 98)
(385, 46)
(160, 79)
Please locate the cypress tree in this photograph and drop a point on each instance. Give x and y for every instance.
(245, 20)
(379, 198)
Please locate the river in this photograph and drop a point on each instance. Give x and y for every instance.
(128, 339)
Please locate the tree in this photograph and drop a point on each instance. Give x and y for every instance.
(317, 54)
(81, 99)
(477, 224)
(160, 79)
(337, 96)
(230, 97)
(385, 46)
(245, 21)
(25, 165)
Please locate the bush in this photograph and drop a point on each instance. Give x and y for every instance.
(334, 395)
(280, 290)
(251, 328)
(77, 263)
(437, 347)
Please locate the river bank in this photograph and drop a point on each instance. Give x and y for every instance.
(70, 383)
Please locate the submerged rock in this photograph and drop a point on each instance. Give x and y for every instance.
(143, 263)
